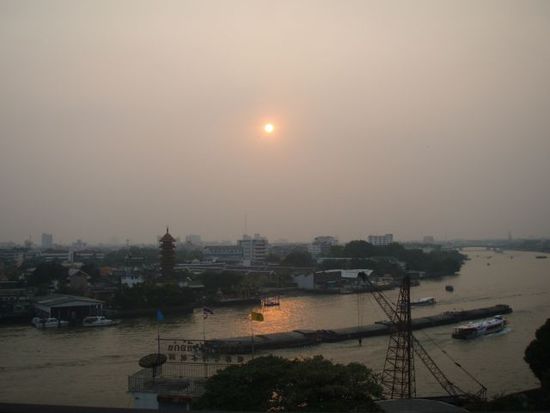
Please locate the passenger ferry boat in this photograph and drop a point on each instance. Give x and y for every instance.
(481, 328)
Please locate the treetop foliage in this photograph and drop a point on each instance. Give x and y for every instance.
(273, 383)
(537, 354)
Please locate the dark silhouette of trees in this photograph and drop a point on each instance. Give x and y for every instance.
(298, 259)
(277, 384)
(537, 355)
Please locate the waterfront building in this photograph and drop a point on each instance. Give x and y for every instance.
(46, 241)
(380, 240)
(167, 254)
(254, 248)
(336, 280)
(67, 307)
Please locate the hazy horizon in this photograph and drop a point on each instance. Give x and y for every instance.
(412, 118)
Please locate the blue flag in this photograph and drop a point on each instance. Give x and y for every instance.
(160, 316)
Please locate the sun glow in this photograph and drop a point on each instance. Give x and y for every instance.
(269, 128)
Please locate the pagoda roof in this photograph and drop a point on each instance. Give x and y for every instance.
(167, 237)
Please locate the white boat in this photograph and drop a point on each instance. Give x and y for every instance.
(423, 301)
(50, 322)
(480, 328)
(97, 321)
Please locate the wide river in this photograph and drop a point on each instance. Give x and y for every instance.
(91, 366)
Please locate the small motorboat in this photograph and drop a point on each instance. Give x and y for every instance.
(97, 321)
(449, 288)
(271, 301)
(423, 301)
(49, 322)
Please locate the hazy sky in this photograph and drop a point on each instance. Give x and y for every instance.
(412, 117)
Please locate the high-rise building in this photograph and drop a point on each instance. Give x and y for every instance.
(381, 240)
(167, 245)
(47, 241)
(254, 248)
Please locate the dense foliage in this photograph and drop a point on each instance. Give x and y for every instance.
(277, 384)
(149, 295)
(224, 281)
(537, 355)
(45, 273)
(387, 259)
(298, 259)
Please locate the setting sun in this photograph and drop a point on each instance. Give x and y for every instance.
(268, 127)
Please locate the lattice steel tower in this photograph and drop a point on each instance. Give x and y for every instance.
(398, 377)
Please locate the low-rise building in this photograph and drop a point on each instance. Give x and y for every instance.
(15, 301)
(67, 307)
(223, 253)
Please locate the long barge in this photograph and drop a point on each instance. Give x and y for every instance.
(299, 338)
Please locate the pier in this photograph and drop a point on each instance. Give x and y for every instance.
(299, 338)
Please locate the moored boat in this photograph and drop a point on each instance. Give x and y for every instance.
(423, 301)
(97, 321)
(50, 322)
(480, 328)
(449, 288)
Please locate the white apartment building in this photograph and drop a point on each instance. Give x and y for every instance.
(380, 240)
(254, 248)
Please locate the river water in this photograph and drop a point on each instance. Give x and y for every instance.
(91, 366)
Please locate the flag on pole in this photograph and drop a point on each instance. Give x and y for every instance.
(160, 316)
(206, 312)
(256, 316)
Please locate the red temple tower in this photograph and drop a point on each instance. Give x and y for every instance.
(167, 254)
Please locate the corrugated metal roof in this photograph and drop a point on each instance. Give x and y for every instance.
(59, 300)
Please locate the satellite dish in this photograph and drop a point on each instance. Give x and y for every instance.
(151, 361)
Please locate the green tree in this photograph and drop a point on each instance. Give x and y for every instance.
(360, 249)
(46, 272)
(277, 384)
(227, 281)
(298, 259)
(537, 355)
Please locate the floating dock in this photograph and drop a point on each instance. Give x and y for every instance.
(299, 338)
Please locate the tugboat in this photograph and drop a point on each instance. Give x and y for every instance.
(481, 328)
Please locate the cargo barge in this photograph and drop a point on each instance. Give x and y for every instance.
(300, 338)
